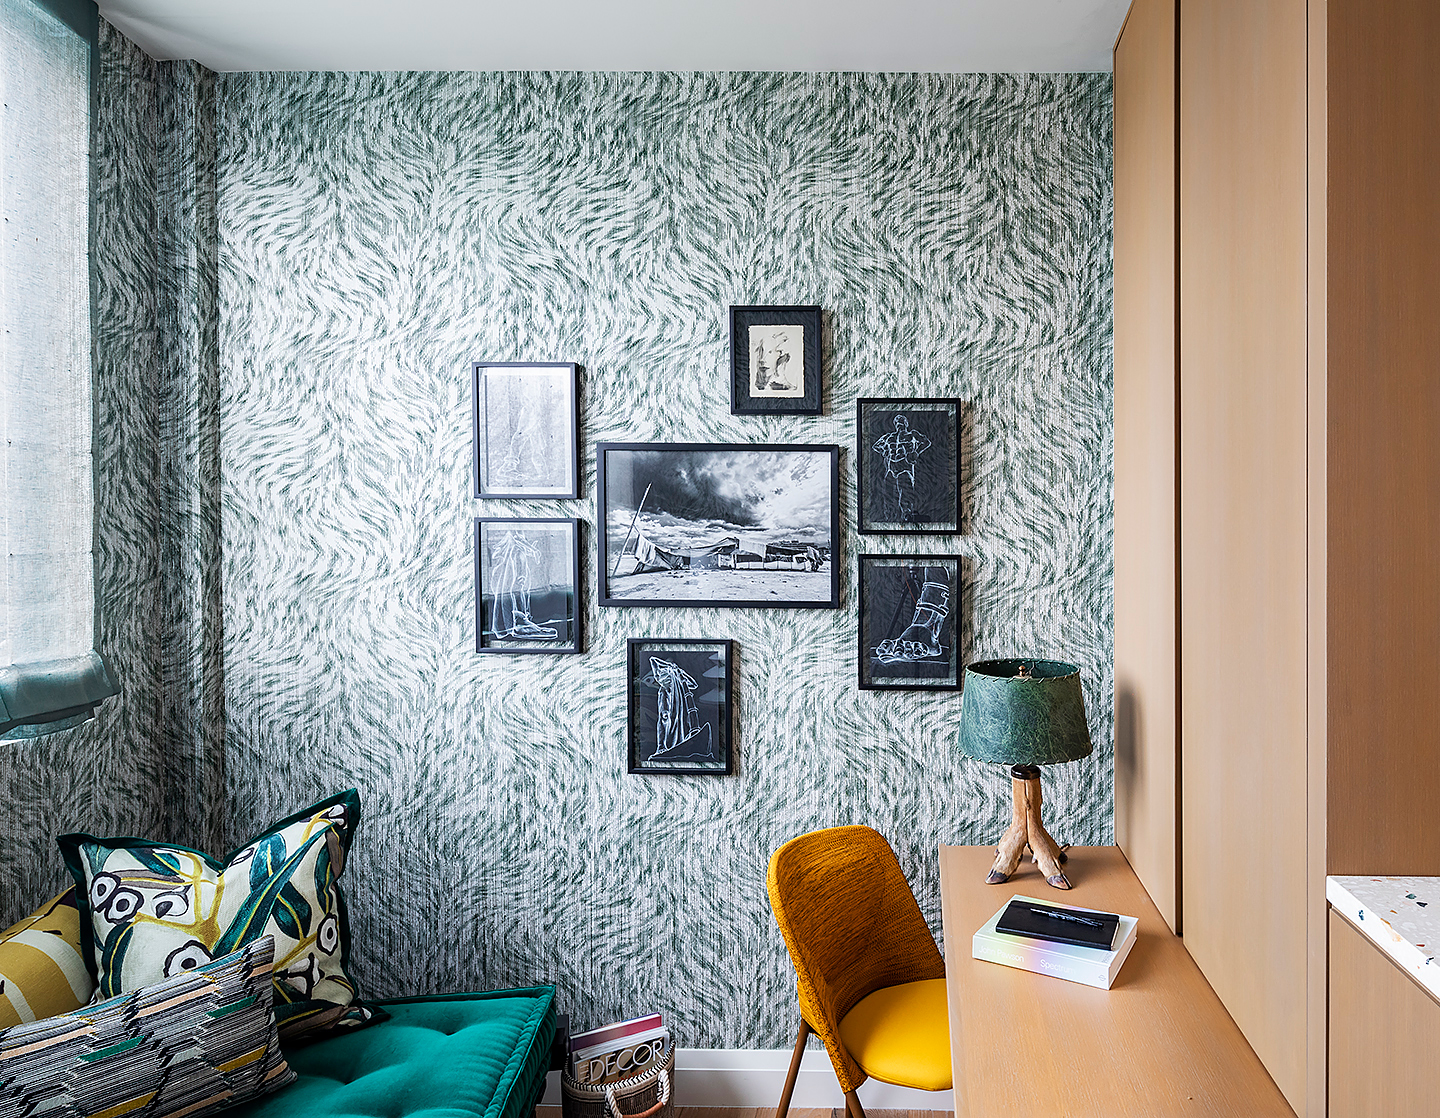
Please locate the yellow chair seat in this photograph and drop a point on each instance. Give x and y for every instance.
(901, 1035)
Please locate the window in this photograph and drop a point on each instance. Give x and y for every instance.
(50, 674)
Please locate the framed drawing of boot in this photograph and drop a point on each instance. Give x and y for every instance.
(909, 622)
(527, 585)
(681, 699)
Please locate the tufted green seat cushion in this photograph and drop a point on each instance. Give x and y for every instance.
(448, 1056)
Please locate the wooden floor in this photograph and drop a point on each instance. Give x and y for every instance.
(768, 1112)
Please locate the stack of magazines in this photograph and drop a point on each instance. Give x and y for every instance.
(619, 1050)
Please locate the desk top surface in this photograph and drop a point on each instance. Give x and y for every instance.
(1157, 1043)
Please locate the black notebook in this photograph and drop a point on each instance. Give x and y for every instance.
(1082, 928)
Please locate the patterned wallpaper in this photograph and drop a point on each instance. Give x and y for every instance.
(107, 774)
(286, 401)
(378, 232)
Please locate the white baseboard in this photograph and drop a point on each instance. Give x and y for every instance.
(754, 1077)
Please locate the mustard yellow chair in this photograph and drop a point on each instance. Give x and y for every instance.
(871, 980)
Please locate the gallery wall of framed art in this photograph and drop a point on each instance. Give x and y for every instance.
(609, 220)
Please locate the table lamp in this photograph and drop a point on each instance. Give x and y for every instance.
(1024, 713)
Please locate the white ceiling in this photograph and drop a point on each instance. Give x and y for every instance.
(955, 36)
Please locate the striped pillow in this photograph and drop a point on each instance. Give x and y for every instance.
(42, 972)
(190, 1045)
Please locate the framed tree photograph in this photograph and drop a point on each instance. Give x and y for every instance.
(775, 361)
(526, 420)
(527, 585)
(680, 706)
(908, 465)
(718, 524)
(909, 613)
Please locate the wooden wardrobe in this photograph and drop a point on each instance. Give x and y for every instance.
(1277, 481)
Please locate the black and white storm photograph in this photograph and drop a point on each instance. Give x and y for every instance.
(718, 524)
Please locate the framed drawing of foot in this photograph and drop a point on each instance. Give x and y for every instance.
(908, 458)
(527, 585)
(680, 706)
(909, 622)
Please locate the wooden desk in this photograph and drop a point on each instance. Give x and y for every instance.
(1157, 1043)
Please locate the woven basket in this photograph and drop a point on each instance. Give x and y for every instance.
(647, 1095)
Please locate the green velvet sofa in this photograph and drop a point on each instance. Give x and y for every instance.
(451, 1055)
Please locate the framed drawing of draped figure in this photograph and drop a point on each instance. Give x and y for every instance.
(680, 706)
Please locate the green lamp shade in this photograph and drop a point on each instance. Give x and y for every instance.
(1035, 718)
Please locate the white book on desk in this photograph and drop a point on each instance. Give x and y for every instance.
(1089, 965)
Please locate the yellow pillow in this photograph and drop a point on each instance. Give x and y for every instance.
(41, 970)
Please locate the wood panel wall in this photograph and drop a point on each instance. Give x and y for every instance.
(1383, 410)
(1383, 1027)
(1146, 730)
(1243, 493)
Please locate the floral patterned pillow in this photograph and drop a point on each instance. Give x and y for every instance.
(151, 910)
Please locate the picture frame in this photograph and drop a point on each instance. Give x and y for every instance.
(525, 417)
(718, 524)
(527, 585)
(680, 706)
(775, 355)
(908, 608)
(907, 456)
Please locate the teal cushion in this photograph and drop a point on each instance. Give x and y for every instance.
(454, 1055)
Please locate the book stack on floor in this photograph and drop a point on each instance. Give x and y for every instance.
(620, 1070)
(1078, 944)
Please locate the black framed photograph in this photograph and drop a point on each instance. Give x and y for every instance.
(908, 465)
(680, 706)
(775, 361)
(909, 614)
(526, 420)
(527, 585)
(718, 524)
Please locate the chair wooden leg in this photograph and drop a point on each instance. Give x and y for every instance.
(799, 1055)
(852, 1104)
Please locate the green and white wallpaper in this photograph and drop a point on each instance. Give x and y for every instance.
(109, 773)
(373, 234)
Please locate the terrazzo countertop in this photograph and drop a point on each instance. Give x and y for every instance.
(1400, 915)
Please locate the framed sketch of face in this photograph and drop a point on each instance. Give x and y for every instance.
(680, 706)
(527, 429)
(775, 361)
(527, 585)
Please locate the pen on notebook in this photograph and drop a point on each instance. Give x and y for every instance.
(1066, 916)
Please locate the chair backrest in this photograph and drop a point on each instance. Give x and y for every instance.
(849, 919)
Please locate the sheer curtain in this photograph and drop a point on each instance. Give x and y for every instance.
(50, 674)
